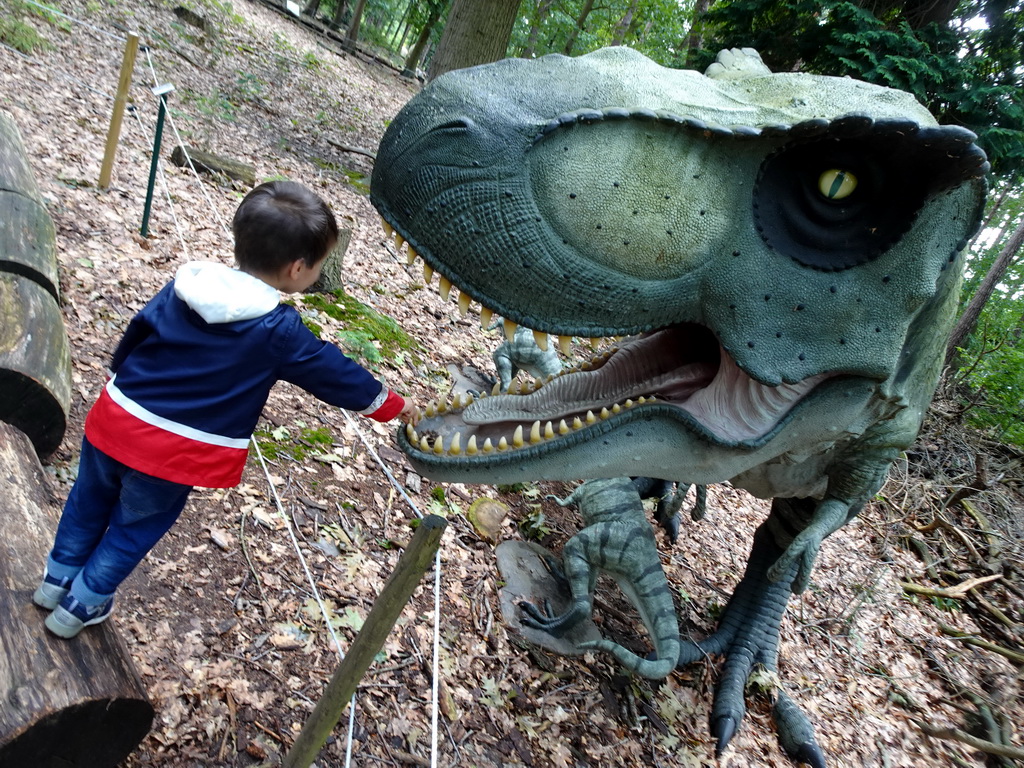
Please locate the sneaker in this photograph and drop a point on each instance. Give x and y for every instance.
(71, 617)
(51, 591)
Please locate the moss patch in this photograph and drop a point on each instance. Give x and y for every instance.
(366, 334)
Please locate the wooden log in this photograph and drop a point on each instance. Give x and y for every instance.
(207, 162)
(35, 363)
(71, 703)
(26, 230)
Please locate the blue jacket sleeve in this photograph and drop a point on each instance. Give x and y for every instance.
(324, 371)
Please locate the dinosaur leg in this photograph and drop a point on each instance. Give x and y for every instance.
(748, 634)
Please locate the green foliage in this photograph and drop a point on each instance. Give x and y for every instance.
(280, 443)
(534, 524)
(17, 32)
(963, 75)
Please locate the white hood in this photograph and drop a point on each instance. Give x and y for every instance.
(221, 294)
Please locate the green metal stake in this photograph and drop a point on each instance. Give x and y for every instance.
(386, 609)
(162, 91)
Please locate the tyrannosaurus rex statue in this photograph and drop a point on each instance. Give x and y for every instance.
(782, 247)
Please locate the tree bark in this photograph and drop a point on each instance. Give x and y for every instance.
(477, 32)
(207, 162)
(969, 319)
(353, 26)
(543, 9)
(588, 6)
(695, 40)
(75, 703)
(624, 24)
(413, 61)
(35, 362)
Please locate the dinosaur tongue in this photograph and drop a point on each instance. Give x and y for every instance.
(671, 364)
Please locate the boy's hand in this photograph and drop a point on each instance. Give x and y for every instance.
(408, 413)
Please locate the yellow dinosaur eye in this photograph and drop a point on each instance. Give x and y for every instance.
(835, 184)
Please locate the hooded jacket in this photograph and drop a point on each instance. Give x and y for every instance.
(194, 369)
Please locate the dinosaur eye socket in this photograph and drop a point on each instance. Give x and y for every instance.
(836, 184)
(863, 201)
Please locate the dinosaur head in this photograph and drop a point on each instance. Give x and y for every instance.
(769, 243)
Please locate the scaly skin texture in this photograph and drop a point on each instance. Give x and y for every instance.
(783, 248)
(521, 353)
(617, 540)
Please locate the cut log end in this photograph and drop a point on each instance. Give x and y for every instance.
(31, 407)
(91, 734)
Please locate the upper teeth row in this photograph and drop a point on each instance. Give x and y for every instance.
(486, 313)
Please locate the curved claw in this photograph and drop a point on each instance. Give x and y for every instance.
(723, 729)
(796, 734)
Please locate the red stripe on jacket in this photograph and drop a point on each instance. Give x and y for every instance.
(157, 452)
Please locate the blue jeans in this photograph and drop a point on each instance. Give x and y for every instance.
(113, 516)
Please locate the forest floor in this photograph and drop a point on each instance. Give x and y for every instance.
(220, 619)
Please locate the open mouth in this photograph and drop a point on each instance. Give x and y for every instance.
(680, 371)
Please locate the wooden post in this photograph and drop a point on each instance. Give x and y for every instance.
(71, 703)
(414, 562)
(131, 48)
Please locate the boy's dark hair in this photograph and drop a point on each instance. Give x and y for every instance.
(279, 222)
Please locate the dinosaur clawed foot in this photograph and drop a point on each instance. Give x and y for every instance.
(748, 637)
(546, 620)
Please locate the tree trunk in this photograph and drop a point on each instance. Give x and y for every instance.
(695, 40)
(339, 14)
(543, 9)
(969, 319)
(477, 32)
(331, 275)
(353, 26)
(76, 703)
(416, 54)
(588, 6)
(619, 35)
(311, 8)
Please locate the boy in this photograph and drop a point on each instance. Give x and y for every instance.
(189, 380)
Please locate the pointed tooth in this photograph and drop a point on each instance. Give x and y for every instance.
(444, 287)
(456, 447)
(411, 256)
(591, 418)
(456, 401)
(399, 242)
(510, 328)
(485, 317)
(605, 413)
(563, 428)
(488, 447)
(616, 408)
(541, 340)
(641, 400)
(464, 300)
(652, 399)
(629, 403)
(468, 400)
(549, 431)
(565, 344)
(410, 432)
(431, 410)
(503, 444)
(595, 341)
(513, 387)
(388, 229)
(586, 365)
(424, 444)
(471, 449)
(428, 273)
(496, 389)
(576, 423)
(442, 406)
(439, 445)
(535, 432)
(517, 437)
